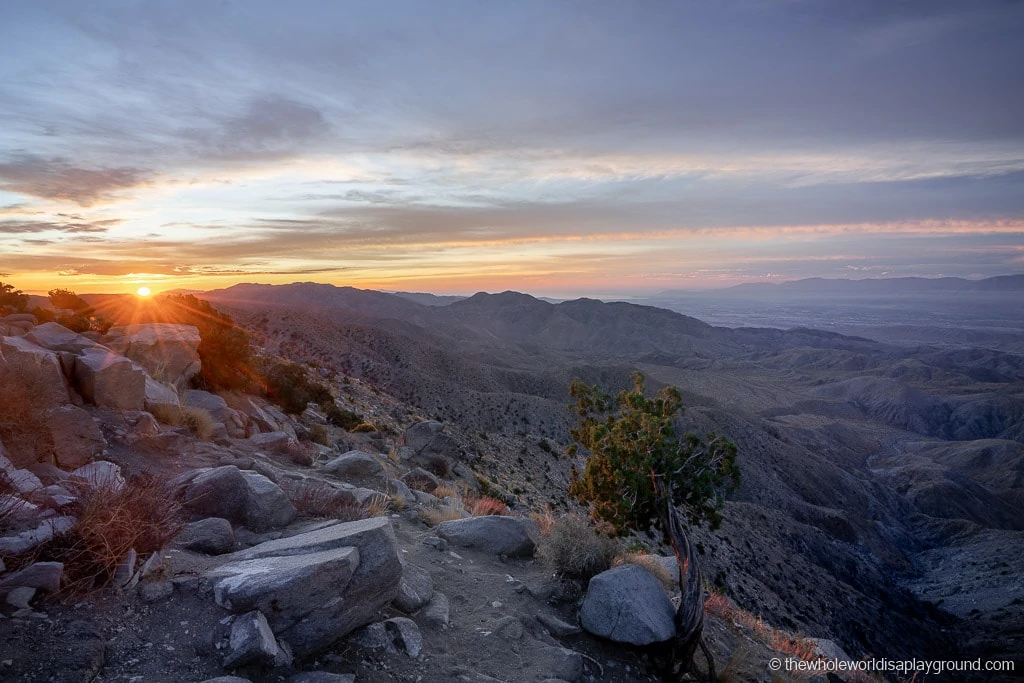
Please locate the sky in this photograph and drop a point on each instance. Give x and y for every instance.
(553, 147)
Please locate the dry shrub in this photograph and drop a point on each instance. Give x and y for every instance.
(483, 506)
(142, 514)
(649, 562)
(364, 427)
(789, 644)
(166, 414)
(446, 513)
(445, 491)
(398, 502)
(198, 420)
(301, 453)
(576, 549)
(320, 434)
(22, 428)
(544, 521)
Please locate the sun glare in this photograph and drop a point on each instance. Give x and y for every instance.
(143, 291)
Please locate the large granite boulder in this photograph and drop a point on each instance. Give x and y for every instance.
(77, 439)
(167, 351)
(109, 380)
(21, 354)
(627, 604)
(511, 536)
(240, 496)
(357, 467)
(55, 337)
(317, 586)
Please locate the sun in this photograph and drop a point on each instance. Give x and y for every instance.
(143, 292)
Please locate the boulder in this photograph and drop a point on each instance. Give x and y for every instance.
(42, 575)
(323, 583)
(109, 380)
(270, 441)
(21, 481)
(100, 474)
(56, 337)
(437, 612)
(267, 506)
(511, 536)
(211, 403)
(77, 439)
(168, 352)
(160, 396)
(242, 497)
(251, 641)
(627, 604)
(414, 590)
(392, 635)
(43, 366)
(421, 480)
(357, 467)
(213, 536)
(424, 444)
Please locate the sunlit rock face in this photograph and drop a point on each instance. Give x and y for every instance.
(168, 352)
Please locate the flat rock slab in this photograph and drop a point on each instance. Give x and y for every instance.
(627, 604)
(511, 536)
(336, 610)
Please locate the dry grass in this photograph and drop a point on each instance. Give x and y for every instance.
(198, 420)
(320, 434)
(445, 491)
(788, 644)
(22, 428)
(300, 453)
(649, 562)
(483, 506)
(111, 521)
(364, 427)
(576, 549)
(544, 521)
(435, 515)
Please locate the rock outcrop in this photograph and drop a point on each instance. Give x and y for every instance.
(168, 352)
(106, 379)
(317, 586)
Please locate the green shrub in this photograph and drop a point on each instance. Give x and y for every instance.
(339, 417)
(289, 386)
(12, 299)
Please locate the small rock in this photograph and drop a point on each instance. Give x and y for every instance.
(509, 628)
(557, 627)
(21, 596)
(405, 635)
(436, 543)
(156, 591)
(437, 610)
(251, 641)
(212, 536)
(414, 590)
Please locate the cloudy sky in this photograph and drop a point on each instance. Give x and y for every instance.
(553, 147)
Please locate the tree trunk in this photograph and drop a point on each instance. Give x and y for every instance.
(690, 615)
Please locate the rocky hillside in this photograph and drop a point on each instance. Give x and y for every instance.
(859, 516)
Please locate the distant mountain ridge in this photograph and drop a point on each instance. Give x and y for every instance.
(875, 286)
